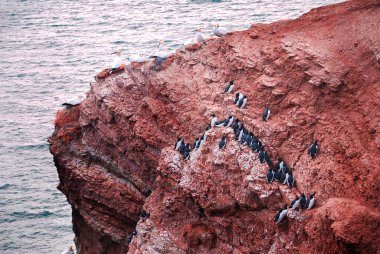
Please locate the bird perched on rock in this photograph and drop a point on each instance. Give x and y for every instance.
(229, 121)
(73, 102)
(219, 31)
(313, 150)
(262, 155)
(236, 125)
(310, 201)
(266, 114)
(223, 142)
(270, 176)
(295, 203)
(238, 97)
(281, 214)
(214, 119)
(178, 143)
(144, 215)
(242, 102)
(204, 136)
(229, 87)
(289, 179)
(197, 143)
(182, 147)
(186, 152)
(117, 62)
(303, 201)
(220, 123)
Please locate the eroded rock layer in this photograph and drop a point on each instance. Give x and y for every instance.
(320, 76)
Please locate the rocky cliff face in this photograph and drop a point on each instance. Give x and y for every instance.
(320, 76)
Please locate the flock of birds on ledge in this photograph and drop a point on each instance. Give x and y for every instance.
(280, 172)
(161, 55)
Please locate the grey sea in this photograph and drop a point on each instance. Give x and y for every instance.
(49, 52)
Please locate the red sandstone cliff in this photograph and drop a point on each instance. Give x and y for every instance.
(319, 74)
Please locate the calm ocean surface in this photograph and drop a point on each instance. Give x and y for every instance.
(50, 51)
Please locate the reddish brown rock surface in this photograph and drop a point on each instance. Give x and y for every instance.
(319, 74)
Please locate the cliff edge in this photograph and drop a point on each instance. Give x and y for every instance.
(320, 76)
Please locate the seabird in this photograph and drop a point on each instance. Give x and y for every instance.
(144, 215)
(262, 155)
(204, 136)
(303, 201)
(117, 61)
(220, 123)
(223, 142)
(186, 152)
(140, 58)
(199, 37)
(295, 203)
(182, 147)
(219, 31)
(255, 145)
(238, 97)
(289, 179)
(69, 250)
(242, 102)
(73, 102)
(249, 138)
(214, 119)
(178, 143)
(281, 214)
(310, 201)
(270, 176)
(229, 87)
(266, 114)
(313, 150)
(229, 121)
(236, 125)
(197, 143)
(277, 176)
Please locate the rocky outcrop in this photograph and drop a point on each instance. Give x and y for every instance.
(319, 75)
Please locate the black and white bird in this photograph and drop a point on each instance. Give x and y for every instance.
(240, 133)
(277, 175)
(249, 138)
(242, 102)
(182, 147)
(238, 97)
(270, 176)
(204, 136)
(220, 123)
(229, 121)
(266, 114)
(236, 125)
(295, 203)
(178, 143)
(144, 215)
(73, 102)
(310, 201)
(229, 87)
(223, 142)
(262, 155)
(289, 179)
(197, 143)
(214, 120)
(255, 145)
(186, 152)
(281, 214)
(303, 201)
(313, 150)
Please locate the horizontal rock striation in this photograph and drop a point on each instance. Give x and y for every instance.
(319, 75)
